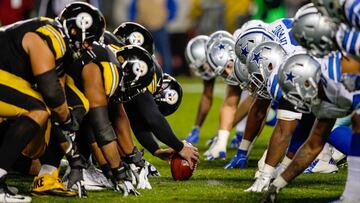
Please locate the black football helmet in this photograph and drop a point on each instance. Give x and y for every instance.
(135, 34)
(156, 83)
(138, 68)
(168, 97)
(82, 22)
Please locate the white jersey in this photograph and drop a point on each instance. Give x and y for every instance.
(338, 102)
(281, 29)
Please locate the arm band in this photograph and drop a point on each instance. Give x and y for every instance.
(99, 120)
(50, 88)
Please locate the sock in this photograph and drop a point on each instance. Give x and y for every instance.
(106, 171)
(352, 185)
(340, 138)
(279, 182)
(244, 145)
(223, 136)
(196, 127)
(15, 139)
(301, 132)
(325, 154)
(46, 169)
(22, 164)
(3, 172)
(286, 161)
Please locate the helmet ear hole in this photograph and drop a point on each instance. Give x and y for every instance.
(270, 67)
(307, 83)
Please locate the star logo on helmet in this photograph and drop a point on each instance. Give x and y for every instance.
(257, 58)
(221, 46)
(290, 77)
(244, 50)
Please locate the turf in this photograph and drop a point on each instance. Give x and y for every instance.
(210, 182)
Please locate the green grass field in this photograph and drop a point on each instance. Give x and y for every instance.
(210, 182)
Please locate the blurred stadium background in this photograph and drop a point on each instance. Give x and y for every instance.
(172, 22)
(178, 21)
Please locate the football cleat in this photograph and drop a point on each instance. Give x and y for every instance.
(215, 151)
(193, 136)
(7, 193)
(238, 161)
(235, 142)
(210, 141)
(270, 195)
(261, 184)
(320, 166)
(50, 184)
(94, 179)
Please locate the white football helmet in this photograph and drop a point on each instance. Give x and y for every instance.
(315, 32)
(221, 56)
(248, 25)
(261, 61)
(218, 35)
(195, 54)
(249, 39)
(298, 78)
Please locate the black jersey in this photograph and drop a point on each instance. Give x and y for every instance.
(13, 57)
(104, 57)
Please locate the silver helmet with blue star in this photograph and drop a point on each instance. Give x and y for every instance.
(314, 31)
(249, 39)
(218, 35)
(248, 25)
(221, 56)
(195, 54)
(298, 78)
(261, 61)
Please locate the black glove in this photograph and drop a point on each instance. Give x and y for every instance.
(77, 163)
(136, 157)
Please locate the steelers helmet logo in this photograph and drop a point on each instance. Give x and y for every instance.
(171, 97)
(84, 20)
(136, 38)
(140, 68)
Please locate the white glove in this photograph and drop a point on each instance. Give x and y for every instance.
(261, 184)
(143, 182)
(152, 171)
(126, 188)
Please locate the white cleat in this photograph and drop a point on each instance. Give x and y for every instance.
(6, 196)
(94, 179)
(320, 166)
(216, 151)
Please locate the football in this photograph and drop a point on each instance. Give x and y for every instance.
(180, 169)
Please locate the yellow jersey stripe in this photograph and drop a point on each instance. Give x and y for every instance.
(20, 85)
(69, 81)
(54, 42)
(115, 82)
(108, 77)
(59, 37)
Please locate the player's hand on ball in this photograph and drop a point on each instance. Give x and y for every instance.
(164, 154)
(189, 152)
